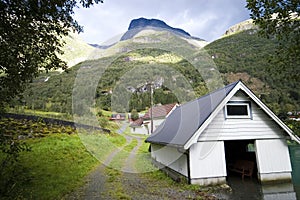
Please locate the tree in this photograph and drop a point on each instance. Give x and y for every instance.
(134, 114)
(280, 20)
(30, 39)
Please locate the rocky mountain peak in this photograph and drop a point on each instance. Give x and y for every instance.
(242, 26)
(137, 25)
(143, 23)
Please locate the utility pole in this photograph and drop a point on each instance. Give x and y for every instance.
(149, 87)
(151, 107)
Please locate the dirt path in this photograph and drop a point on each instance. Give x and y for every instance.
(94, 187)
(129, 163)
(128, 183)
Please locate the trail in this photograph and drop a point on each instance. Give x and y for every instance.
(94, 187)
(129, 163)
(132, 184)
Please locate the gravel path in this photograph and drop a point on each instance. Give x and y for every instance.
(93, 187)
(128, 167)
(133, 185)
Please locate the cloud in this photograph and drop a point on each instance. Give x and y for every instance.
(206, 19)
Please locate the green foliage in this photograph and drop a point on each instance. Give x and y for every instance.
(103, 122)
(31, 34)
(280, 20)
(11, 172)
(248, 53)
(29, 174)
(43, 114)
(244, 55)
(277, 19)
(57, 165)
(294, 125)
(134, 114)
(53, 91)
(95, 143)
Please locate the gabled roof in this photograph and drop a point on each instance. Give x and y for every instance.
(137, 122)
(159, 111)
(184, 125)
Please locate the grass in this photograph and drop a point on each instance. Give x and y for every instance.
(118, 161)
(56, 115)
(101, 145)
(114, 173)
(58, 160)
(149, 171)
(58, 163)
(55, 166)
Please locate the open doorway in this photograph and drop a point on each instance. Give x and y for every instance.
(240, 158)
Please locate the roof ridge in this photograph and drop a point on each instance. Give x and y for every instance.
(215, 91)
(210, 100)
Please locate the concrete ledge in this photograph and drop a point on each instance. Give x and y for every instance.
(280, 177)
(209, 181)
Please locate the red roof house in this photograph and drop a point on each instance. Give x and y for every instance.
(158, 113)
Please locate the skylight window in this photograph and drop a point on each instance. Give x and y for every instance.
(238, 110)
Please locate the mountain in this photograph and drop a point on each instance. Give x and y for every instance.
(140, 24)
(76, 50)
(124, 66)
(240, 27)
(242, 54)
(143, 26)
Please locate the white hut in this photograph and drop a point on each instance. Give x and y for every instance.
(229, 129)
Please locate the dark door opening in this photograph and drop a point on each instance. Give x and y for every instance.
(240, 158)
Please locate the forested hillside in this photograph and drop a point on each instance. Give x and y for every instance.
(247, 56)
(244, 56)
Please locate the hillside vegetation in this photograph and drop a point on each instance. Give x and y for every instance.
(251, 58)
(243, 55)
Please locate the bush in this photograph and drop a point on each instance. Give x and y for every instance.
(134, 114)
(103, 121)
(11, 171)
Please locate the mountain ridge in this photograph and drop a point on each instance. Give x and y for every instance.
(241, 55)
(140, 24)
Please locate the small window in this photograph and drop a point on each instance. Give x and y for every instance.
(238, 110)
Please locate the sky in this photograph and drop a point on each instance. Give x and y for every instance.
(205, 19)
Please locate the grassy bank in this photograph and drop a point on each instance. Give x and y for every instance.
(55, 165)
(58, 163)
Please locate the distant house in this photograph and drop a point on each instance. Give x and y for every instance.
(118, 117)
(229, 129)
(158, 112)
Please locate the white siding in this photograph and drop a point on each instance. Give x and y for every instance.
(156, 123)
(207, 160)
(272, 156)
(260, 126)
(144, 130)
(170, 157)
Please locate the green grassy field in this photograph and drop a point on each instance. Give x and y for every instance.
(59, 160)
(56, 164)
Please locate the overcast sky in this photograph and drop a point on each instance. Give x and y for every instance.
(205, 19)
